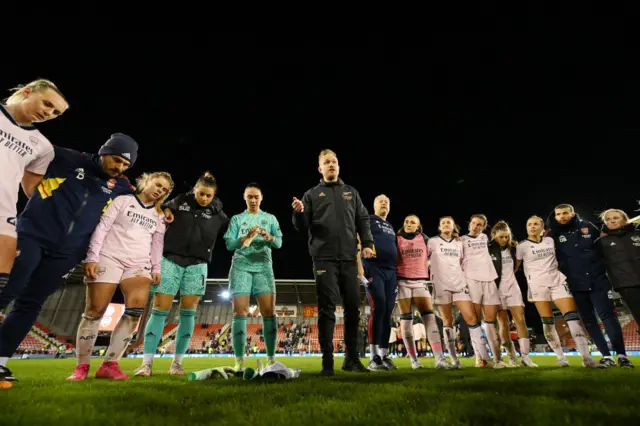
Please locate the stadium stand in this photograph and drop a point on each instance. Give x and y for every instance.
(296, 305)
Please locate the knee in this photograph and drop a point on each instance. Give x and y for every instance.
(94, 312)
(327, 312)
(267, 311)
(28, 303)
(240, 311)
(133, 312)
(185, 305)
(352, 311)
(164, 306)
(605, 312)
(137, 302)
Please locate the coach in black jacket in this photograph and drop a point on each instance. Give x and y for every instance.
(334, 214)
(620, 250)
(586, 275)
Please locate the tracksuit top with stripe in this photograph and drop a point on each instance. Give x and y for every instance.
(66, 207)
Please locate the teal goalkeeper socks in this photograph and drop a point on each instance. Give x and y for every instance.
(185, 329)
(153, 330)
(270, 334)
(239, 335)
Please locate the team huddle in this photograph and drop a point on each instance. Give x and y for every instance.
(82, 209)
(477, 275)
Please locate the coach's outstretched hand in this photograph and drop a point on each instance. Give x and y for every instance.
(297, 205)
(91, 270)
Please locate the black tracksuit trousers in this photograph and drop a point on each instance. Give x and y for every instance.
(337, 280)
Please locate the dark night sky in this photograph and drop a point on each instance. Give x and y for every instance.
(503, 122)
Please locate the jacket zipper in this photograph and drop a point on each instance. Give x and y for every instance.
(190, 238)
(82, 206)
(335, 212)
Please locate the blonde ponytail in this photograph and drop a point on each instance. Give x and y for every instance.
(39, 85)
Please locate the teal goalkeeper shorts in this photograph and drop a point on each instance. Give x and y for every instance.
(244, 283)
(190, 280)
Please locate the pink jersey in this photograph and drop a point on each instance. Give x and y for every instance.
(445, 258)
(412, 258)
(21, 148)
(477, 263)
(129, 232)
(508, 277)
(540, 264)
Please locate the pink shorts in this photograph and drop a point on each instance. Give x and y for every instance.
(408, 289)
(113, 272)
(510, 295)
(8, 226)
(549, 294)
(483, 292)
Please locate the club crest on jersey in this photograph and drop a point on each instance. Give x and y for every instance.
(33, 140)
(184, 207)
(562, 239)
(111, 183)
(635, 239)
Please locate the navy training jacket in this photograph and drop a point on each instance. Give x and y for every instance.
(577, 255)
(66, 206)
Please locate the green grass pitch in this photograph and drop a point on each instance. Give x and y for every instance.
(547, 396)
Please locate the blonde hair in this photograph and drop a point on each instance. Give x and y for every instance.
(326, 152)
(501, 226)
(39, 85)
(143, 180)
(621, 212)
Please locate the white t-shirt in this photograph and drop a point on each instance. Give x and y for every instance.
(21, 148)
(445, 258)
(477, 263)
(540, 264)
